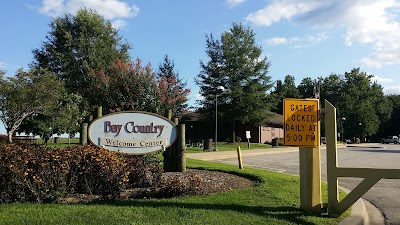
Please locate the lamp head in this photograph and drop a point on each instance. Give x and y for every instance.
(220, 89)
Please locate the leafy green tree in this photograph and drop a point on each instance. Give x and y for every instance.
(235, 62)
(77, 47)
(330, 88)
(285, 89)
(357, 99)
(391, 127)
(307, 88)
(174, 93)
(39, 125)
(130, 86)
(362, 103)
(25, 94)
(64, 117)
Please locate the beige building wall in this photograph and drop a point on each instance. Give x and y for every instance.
(269, 133)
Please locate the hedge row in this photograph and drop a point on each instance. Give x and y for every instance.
(34, 173)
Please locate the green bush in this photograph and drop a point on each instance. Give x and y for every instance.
(3, 138)
(145, 170)
(35, 173)
(177, 186)
(96, 171)
(31, 173)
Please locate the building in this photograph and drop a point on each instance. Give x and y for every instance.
(198, 131)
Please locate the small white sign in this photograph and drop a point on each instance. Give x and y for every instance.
(248, 134)
(132, 132)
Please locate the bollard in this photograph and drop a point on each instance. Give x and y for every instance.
(239, 158)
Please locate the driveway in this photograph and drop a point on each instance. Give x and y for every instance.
(385, 195)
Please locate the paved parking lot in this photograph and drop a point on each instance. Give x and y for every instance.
(385, 195)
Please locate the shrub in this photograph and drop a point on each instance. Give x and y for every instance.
(176, 185)
(40, 174)
(31, 173)
(96, 171)
(145, 170)
(3, 138)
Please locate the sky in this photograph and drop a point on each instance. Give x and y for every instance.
(302, 38)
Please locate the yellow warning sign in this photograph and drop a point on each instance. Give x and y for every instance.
(301, 122)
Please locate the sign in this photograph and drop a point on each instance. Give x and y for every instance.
(248, 134)
(132, 132)
(301, 122)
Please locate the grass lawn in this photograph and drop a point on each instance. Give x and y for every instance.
(63, 142)
(274, 200)
(223, 146)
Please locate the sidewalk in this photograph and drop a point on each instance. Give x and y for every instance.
(362, 212)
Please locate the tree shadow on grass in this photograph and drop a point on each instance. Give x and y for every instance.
(284, 213)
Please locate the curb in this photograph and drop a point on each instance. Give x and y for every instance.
(362, 213)
(358, 215)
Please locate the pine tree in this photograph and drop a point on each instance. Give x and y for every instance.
(235, 63)
(174, 93)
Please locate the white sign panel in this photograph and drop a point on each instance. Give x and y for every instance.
(248, 134)
(132, 132)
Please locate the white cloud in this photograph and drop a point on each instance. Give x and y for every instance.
(117, 24)
(4, 65)
(386, 84)
(198, 96)
(382, 57)
(276, 41)
(382, 79)
(282, 9)
(367, 22)
(391, 90)
(233, 3)
(113, 10)
(298, 42)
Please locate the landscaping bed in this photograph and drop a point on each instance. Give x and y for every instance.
(208, 182)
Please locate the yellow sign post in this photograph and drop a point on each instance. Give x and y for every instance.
(301, 126)
(301, 122)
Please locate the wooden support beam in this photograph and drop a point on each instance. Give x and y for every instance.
(331, 157)
(368, 172)
(357, 192)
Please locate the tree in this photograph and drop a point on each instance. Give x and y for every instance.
(77, 47)
(307, 88)
(173, 90)
(64, 117)
(330, 88)
(235, 63)
(362, 102)
(28, 93)
(286, 89)
(131, 87)
(391, 126)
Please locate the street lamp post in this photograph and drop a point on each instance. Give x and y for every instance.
(219, 89)
(343, 121)
(360, 124)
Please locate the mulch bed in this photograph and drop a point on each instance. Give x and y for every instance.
(210, 182)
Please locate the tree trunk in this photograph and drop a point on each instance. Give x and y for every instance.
(233, 132)
(10, 134)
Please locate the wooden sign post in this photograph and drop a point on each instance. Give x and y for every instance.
(301, 126)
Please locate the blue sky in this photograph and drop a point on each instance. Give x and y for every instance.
(303, 38)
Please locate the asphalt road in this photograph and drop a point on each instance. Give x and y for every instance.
(385, 195)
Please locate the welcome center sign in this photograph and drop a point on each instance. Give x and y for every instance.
(132, 132)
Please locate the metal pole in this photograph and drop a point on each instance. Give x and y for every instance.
(216, 122)
(342, 132)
